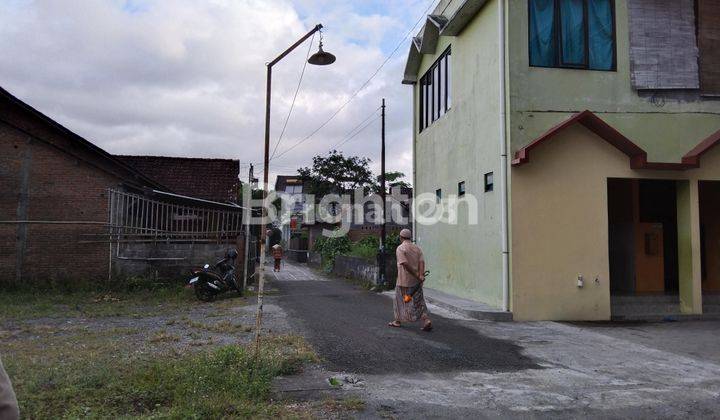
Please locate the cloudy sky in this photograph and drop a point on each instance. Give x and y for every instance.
(187, 77)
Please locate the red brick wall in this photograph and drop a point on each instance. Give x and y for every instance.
(60, 187)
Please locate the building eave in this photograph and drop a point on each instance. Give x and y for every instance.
(636, 155)
(436, 26)
(462, 17)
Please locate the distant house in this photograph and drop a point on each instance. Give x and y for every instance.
(368, 227)
(291, 186)
(68, 204)
(586, 131)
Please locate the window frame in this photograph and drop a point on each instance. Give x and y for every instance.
(438, 195)
(433, 82)
(557, 39)
(461, 188)
(489, 186)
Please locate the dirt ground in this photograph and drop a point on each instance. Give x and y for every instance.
(360, 368)
(52, 346)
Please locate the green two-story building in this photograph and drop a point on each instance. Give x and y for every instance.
(585, 131)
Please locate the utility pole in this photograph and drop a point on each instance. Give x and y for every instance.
(383, 233)
(248, 215)
(320, 58)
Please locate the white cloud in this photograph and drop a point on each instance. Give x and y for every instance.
(187, 78)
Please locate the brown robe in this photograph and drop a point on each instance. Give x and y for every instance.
(8, 401)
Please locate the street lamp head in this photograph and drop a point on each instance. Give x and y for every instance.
(321, 58)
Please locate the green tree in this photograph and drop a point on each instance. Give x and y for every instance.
(393, 179)
(336, 173)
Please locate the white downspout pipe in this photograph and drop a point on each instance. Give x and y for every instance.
(503, 162)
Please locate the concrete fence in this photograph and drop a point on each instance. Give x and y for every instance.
(314, 259)
(361, 269)
(168, 262)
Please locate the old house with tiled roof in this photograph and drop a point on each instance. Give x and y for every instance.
(209, 179)
(69, 208)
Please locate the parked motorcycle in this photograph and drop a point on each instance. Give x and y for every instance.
(211, 281)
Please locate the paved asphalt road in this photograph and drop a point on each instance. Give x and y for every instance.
(473, 369)
(348, 326)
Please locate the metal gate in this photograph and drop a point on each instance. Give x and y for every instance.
(136, 218)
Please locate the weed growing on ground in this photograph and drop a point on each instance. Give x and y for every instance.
(91, 381)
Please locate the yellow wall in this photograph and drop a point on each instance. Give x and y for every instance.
(560, 227)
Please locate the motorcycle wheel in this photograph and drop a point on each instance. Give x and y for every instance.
(204, 293)
(237, 286)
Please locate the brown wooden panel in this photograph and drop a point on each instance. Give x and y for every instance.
(709, 44)
(663, 46)
(649, 258)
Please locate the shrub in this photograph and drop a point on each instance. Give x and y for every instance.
(366, 248)
(330, 247)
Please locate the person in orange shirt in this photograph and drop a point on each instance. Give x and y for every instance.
(277, 253)
(409, 304)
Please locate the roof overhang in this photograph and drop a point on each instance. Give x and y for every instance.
(462, 17)
(435, 26)
(638, 156)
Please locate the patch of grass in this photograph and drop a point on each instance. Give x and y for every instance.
(26, 305)
(165, 337)
(104, 378)
(225, 327)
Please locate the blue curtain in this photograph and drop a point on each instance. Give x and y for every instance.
(572, 17)
(542, 21)
(600, 28)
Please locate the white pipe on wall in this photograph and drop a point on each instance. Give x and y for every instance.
(503, 162)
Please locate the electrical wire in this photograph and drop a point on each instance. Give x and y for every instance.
(292, 105)
(363, 86)
(351, 132)
(347, 137)
(360, 131)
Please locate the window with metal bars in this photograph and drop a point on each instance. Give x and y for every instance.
(435, 90)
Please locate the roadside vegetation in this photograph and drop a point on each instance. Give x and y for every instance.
(97, 376)
(146, 349)
(366, 248)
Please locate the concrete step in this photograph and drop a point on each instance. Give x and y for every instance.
(665, 317)
(711, 309)
(646, 299)
(466, 307)
(669, 308)
(712, 299)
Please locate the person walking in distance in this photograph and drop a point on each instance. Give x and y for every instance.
(277, 253)
(409, 303)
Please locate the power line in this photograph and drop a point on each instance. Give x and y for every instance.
(360, 131)
(292, 106)
(347, 137)
(355, 128)
(345, 140)
(367, 82)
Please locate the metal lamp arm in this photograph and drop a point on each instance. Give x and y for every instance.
(295, 45)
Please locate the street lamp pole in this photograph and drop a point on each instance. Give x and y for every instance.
(320, 58)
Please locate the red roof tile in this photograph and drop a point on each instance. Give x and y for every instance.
(209, 179)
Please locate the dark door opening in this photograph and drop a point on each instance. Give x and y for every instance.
(709, 194)
(643, 242)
